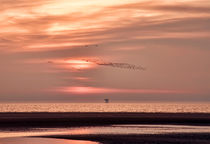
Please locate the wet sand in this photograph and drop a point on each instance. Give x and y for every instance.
(20, 121)
(44, 119)
(182, 138)
(38, 140)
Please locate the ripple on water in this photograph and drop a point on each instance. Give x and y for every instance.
(111, 107)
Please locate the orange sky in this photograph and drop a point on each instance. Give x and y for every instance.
(52, 45)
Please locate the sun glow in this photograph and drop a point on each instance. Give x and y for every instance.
(97, 90)
(80, 64)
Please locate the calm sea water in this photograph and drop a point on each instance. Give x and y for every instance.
(103, 107)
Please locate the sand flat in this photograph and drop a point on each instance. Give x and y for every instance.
(44, 119)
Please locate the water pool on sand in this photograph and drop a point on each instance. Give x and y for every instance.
(29, 140)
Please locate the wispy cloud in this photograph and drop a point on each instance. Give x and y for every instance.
(28, 29)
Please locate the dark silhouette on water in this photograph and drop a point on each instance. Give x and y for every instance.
(106, 100)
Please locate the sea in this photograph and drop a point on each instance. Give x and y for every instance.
(107, 107)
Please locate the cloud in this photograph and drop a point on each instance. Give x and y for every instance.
(7, 5)
(177, 7)
(39, 31)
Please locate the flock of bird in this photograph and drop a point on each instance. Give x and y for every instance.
(111, 64)
(116, 65)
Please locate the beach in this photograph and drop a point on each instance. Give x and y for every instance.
(190, 138)
(95, 127)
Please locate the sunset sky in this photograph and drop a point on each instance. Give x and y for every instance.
(88, 50)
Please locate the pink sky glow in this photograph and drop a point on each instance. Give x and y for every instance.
(136, 47)
(95, 90)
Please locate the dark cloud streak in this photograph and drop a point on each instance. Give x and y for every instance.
(158, 6)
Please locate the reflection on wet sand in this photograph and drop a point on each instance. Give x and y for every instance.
(28, 140)
(105, 134)
(112, 129)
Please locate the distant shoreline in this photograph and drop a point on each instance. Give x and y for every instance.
(71, 119)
